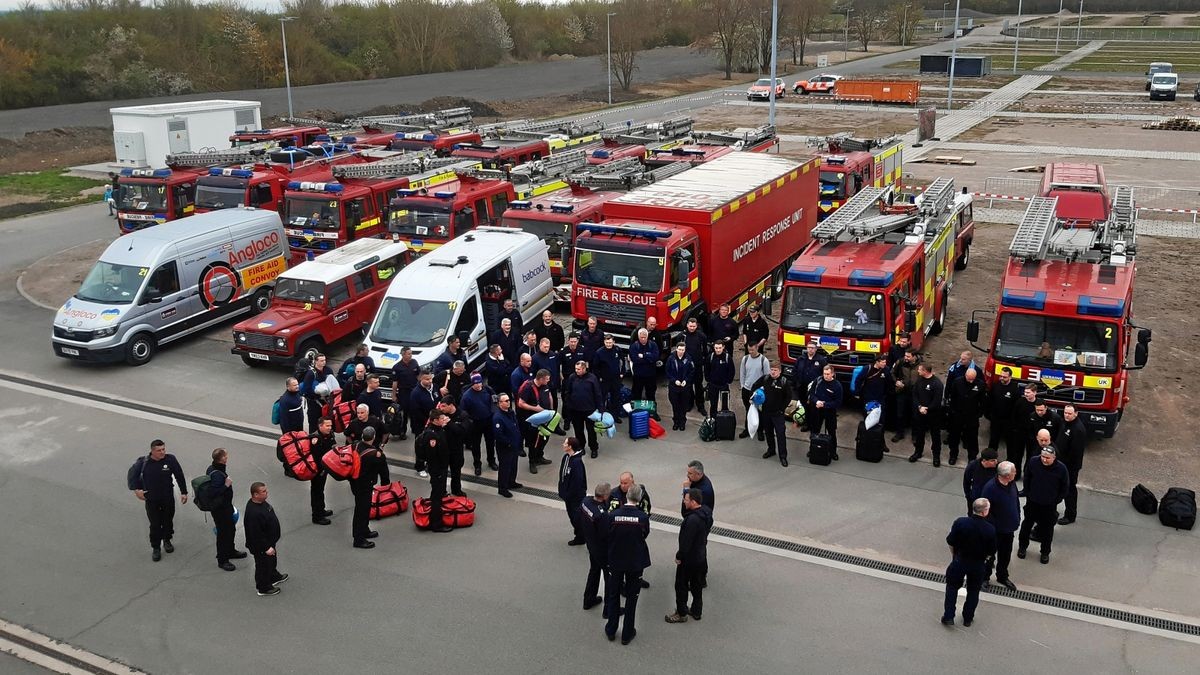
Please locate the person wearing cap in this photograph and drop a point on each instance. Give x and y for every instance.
(476, 402)
(1046, 484)
(978, 473)
(754, 330)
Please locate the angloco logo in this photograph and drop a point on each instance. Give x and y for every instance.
(533, 273)
(254, 249)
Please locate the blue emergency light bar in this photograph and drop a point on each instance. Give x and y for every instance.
(522, 204)
(600, 154)
(308, 186)
(406, 192)
(620, 230)
(870, 278)
(806, 275)
(562, 208)
(146, 173)
(440, 194)
(348, 139)
(236, 173)
(1093, 306)
(323, 138)
(1035, 300)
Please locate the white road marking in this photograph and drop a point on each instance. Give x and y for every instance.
(47, 661)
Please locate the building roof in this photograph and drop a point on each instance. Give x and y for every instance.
(713, 184)
(183, 107)
(434, 276)
(340, 262)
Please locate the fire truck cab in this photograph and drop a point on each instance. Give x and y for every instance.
(148, 197)
(428, 218)
(262, 185)
(874, 271)
(284, 136)
(442, 142)
(852, 164)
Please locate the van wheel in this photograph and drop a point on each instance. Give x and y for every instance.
(936, 328)
(964, 259)
(261, 300)
(140, 349)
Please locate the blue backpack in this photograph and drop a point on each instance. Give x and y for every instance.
(856, 378)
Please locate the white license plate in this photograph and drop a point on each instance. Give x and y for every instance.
(260, 357)
(69, 352)
(386, 394)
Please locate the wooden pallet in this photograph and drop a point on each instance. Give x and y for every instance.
(948, 159)
(1175, 124)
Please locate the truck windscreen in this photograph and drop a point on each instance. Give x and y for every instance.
(1057, 342)
(220, 192)
(300, 290)
(111, 284)
(619, 270)
(553, 233)
(419, 221)
(833, 185)
(316, 214)
(834, 310)
(412, 322)
(142, 196)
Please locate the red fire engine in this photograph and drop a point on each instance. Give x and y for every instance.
(1065, 319)
(294, 135)
(427, 218)
(725, 231)
(262, 184)
(637, 141)
(148, 197)
(874, 271)
(854, 163)
(521, 141)
(705, 146)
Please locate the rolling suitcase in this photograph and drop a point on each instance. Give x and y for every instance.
(724, 421)
(639, 424)
(868, 444)
(820, 450)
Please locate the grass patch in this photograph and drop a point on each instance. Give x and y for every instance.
(50, 185)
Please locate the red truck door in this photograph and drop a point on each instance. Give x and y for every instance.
(262, 196)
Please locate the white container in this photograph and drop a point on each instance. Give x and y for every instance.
(144, 135)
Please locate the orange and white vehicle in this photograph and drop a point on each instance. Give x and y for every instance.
(821, 84)
(761, 89)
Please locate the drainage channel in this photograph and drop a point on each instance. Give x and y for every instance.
(1085, 608)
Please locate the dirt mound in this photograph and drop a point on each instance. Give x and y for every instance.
(56, 147)
(478, 108)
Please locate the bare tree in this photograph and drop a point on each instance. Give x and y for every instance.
(724, 19)
(632, 28)
(866, 19)
(902, 19)
(803, 17)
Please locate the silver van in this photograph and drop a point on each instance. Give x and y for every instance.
(157, 285)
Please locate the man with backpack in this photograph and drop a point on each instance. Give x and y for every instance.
(219, 500)
(291, 408)
(152, 479)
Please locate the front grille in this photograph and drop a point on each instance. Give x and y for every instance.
(259, 341)
(1074, 395)
(77, 335)
(315, 244)
(602, 309)
(847, 358)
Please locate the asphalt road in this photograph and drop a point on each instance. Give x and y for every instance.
(506, 593)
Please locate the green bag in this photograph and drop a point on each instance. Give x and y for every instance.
(648, 406)
(708, 430)
(200, 492)
(549, 427)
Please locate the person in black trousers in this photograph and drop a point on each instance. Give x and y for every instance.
(1002, 399)
(927, 414)
(681, 373)
(1046, 484)
(691, 559)
(572, 485)
(405, 374)
(320, 443)
(972, 541)
(826, 398)
(220, 499)
(966, 399)
(643, 359)
(771, 418)
(372, 467)
(719, 373)
(508, 444)
(1071, 444)
(434, 447)
(628, 558)
(153, 485)
(582, 397)
(606, 366)
(696, 344)
(593, 522)
(262, 530)
(457, 429)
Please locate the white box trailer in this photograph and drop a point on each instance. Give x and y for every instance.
(144, 135)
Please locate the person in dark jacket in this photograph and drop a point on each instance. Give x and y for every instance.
(362, 357)
(421, 402)
(771, 417)
(320, 442)
(896, 351)
(497, 371)
(548, 329)
(696, 347)
(454, 382)
(155, 485)
(476, 402)
(373, 469)
(317, 374)
(927, 414)
(691, 559)
(356, 384)
(977, 473)
(1005, 516)
(1042, 418)
(372, 397)
(508, 444)
(593, 522)
(220, 500)
(643, 357)
(361, 421)
(546, 358)
(529, 345)
(434, 448)
(877, 383)
(722, 327)
(624, 484)
(510, 312)
(681, 373)
(1071, 444)
(293, 408)
(521, 374)
(535, 397)
(659, 338)
(572, 485)
(262, 530)
(1001, 401)
(592, 338)
(1046, 484)
(570, 355)
(698, 480)
(445, 360)
(406, 374)
(966, 400)
(905, 372)
(1018, 431)
(972, 540)
(826, 399)
(807, 370)
(628, 558)
(606, 366)
(719, 373)
(754, 330)
(509, 339)
(457, 429)
(960, 367)
(582, 397)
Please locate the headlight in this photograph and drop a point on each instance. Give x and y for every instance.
(281, 343)
(104, 332)
(240, 337)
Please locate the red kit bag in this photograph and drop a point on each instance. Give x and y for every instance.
(334, 399)
(342, 414)
(294, 451)
(389, 500)
(456, 512)
(342, 463)
(420, 513)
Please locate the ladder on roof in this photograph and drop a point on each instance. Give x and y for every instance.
(740, 138)
(838, 223)
(938, 196)
(1123, 212)
(558, 164)
(239, 155)
(648, 131)
(1032, 239)
(313, 122)
(438, 119)
(625, 174)
(404, 165)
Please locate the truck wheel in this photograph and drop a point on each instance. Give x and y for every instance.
(936, 328)
(964, 259)
(140, 349)
(308, 347)
(261, 300)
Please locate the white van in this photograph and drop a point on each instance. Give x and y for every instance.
(1164, 86)
(1155, 68)
(458, 289)
(154, 286)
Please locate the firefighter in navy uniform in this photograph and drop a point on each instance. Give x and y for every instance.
(966, 400)
(772, 420)
(593, 522)
(1001, 403)
(320, 442)
(628, 558)
(434, 448)
(572, 486)
(508, 444)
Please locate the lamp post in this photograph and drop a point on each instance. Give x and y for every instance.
(1058, 33)
(944, 5)
(1079, 26)
(1017, 44)
(774, 50)
(608, 36)
(953, 58)
(287, 73)
(846, 36)
(904, 26)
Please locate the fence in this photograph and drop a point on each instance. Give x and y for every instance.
(1180, 202)
(1132, 33)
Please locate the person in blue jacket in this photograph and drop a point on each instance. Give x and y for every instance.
(497, 370)
(826, 399)
(972, 541)
(476, 402)
(1005, 516)
(521, 374)
(681, 372)
(643, 357)
(293, 411)
(508, 444)
(572, 485)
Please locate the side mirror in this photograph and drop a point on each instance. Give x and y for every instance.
(910, 320)
(972, 330)
(1141, 354)
(1144, 336)
(464, 336)
(366, 328)
(152, 297)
